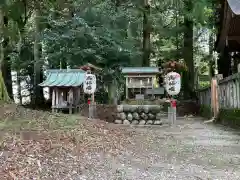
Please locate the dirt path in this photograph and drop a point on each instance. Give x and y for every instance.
(190, 151)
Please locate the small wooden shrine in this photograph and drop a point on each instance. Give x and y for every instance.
(66, 85)
(229, 30)
(141, 82)
(228, 38)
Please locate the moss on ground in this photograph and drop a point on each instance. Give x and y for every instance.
(230, 117)
(205, 111)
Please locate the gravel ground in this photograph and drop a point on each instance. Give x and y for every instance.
(189, 151)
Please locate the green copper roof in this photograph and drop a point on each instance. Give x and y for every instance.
(127, 70)
(64, 77)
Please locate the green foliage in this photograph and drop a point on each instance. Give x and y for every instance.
(204, 84)
(100, 34)
(103, 33)
(3, 91)
(165, 106)
(205, 111)
(230, 117)
(92, 35)
(226, 116)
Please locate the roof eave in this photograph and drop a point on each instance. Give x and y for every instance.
(234, 5)
(140, 73)
(63, 78)
(140, 70)
(59, 86)
(224, 28)
(230, 8)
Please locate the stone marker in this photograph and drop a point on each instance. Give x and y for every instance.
(136, 116)
(149, 122)
(133, 108)
(134, 122)
(146, 109)
(142, 122)
(126, 122)
(118, 121)
(122, 116)
(158, 116)
(129, 117)
(158, 122)
(120, 108)
(140, 109)
(143, 116)
(151, 116)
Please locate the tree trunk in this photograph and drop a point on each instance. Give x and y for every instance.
(6, 73)
(188, 50)
(3, 90)
(6, 63)
(146, 34)
(37, 90)
(112, 92)
(117, 4)
(211, 59)
(63, 64)
(177, 33)
(19, 88)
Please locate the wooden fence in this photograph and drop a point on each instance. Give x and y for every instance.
(227, 93)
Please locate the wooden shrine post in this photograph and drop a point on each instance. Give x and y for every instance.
(214, 97)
